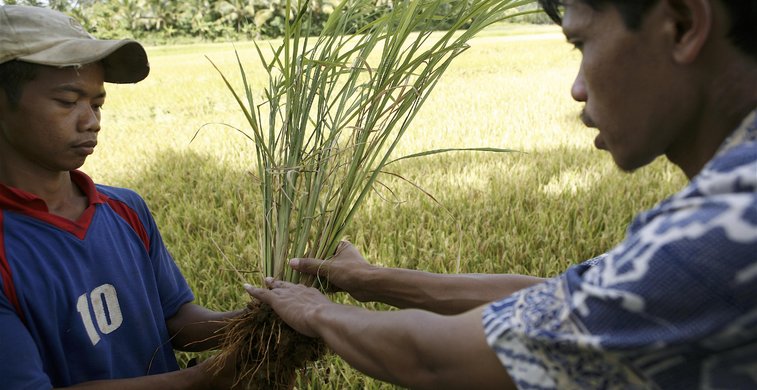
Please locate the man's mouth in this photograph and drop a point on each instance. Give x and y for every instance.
(599, 142)
(86, 148)
(586, 119)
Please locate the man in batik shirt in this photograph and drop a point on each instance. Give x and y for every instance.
(672, 306)
(674, 303)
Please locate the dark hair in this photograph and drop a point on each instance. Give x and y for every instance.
(13, 75)
(743, 15)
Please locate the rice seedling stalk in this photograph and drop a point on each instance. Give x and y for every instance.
(335, 108)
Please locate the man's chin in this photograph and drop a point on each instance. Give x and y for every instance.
(626, 162)
(630, 164)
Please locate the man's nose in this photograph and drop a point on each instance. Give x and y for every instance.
(89, 119)
(578, 90)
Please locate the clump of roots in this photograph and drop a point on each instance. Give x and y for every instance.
(269, 353)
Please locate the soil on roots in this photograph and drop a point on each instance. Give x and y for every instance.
(269, 353)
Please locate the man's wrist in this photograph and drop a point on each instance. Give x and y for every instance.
(195, 377)
(362, 283)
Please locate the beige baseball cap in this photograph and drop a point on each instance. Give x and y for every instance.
(46, 37)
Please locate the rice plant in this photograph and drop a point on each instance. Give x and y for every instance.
(335, 108)
(324, 129)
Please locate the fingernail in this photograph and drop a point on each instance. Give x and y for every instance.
(268, 280)
(294, 263)
(247, 286)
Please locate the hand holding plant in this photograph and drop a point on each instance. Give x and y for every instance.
(342, 272)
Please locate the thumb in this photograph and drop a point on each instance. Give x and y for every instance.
(308, 266)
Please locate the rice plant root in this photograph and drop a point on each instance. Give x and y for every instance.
(269, 353)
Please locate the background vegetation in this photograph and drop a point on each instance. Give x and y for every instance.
(173, 21)
(554, 203)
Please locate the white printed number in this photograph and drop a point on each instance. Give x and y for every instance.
(104, 302)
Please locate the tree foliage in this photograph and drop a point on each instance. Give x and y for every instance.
(158, 21)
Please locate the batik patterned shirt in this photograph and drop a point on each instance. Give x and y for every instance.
(674, 306)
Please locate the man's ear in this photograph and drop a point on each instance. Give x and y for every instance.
(690, 23)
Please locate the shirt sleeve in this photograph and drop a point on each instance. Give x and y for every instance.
(172, 286)
(20, 363)
(673, 306)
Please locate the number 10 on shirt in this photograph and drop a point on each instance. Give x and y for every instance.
(103, 302)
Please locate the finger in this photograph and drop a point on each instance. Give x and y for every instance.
(279, 284)
(255, 292)
(309, 266)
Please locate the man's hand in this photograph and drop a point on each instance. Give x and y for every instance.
(226, 378)
(346, 271)
(296, 304)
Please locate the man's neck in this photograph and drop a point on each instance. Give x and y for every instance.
(694, 152)
(731, 97)
(61, 195)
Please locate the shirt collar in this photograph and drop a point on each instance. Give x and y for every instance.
(747, 131)
(12, 198)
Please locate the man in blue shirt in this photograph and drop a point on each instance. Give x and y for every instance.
(89, 295)
(672, 306)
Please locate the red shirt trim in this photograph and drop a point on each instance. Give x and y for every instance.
(6, 274)
(131, 217)
(23, 202)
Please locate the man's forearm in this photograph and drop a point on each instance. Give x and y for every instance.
(194, 328)
(190, 378)
(439, 293)
(413, 348)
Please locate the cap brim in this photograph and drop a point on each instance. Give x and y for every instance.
(125, 61)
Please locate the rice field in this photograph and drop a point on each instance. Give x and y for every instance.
(553, 203)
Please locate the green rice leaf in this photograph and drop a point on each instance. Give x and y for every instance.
(337, 106)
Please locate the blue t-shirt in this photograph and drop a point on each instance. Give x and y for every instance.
(87, 299)
(673, 306)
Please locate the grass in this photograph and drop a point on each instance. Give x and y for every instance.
(536, 212)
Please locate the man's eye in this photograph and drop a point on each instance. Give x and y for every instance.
(66, 103)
